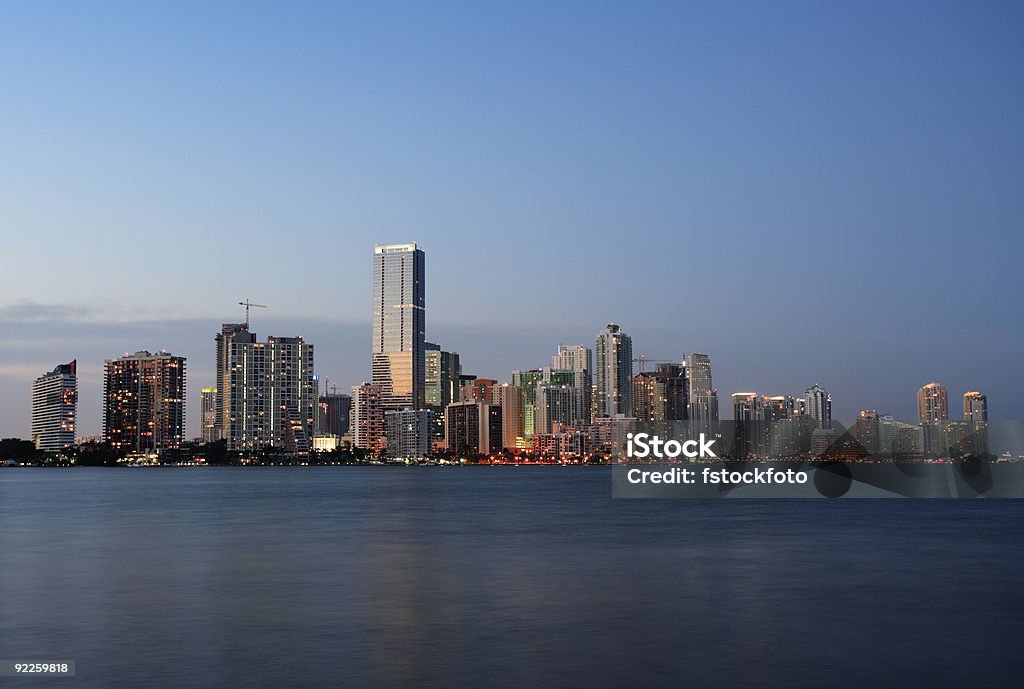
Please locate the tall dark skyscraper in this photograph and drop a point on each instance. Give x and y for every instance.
(399, 320)
(144, 402)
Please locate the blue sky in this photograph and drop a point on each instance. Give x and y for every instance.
(808, 192)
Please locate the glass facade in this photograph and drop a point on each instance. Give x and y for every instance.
(399, 315)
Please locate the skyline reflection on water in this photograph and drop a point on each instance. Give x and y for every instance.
(496, 577)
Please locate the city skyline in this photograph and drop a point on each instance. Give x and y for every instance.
(563, 354)
(766, 184)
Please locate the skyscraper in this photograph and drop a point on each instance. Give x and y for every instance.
(932, 404)
(441, 376)
(268, 394)
(976, 418)
(511, 400)
(223, 339)
(54, 406)
(613, 372)
(555, 404)
(208, 415)
(702, 398)
(660, 395)
(399, 315)
(144, 402)
(580, 359)
(818, 404)
(334, 413)
(527, 381)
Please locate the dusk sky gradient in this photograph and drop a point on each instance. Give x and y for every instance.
(808, 192)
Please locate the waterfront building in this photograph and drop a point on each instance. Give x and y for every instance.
(555, 405)
(702, 398)
(579, 359)
(512, 402)
(267, 393)
(54, 408)
(976, 418)
(367, 418)
(527, 381)
(932, 403)
(208, 415)
(442, 371)
(473, 427)
(867, 431)
(409, 434)
(818, 405)
(399, 315)
(144, 402)
(613, 372)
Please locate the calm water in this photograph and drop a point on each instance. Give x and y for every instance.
(495, 577)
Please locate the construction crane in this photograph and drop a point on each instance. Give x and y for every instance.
(248, 304)
(642, 360)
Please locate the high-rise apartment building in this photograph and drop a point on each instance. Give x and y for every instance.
(661, 395)
(223, 340)
(441, 376)
(932, 404)
(818, 406)
(399, 315)
(209, 427)
(527, 381)
(267, 393)
(613, 372)
(702, 398)
(473, 427)
(367, 418)
(578, 358)
(409, 434)
(144, 402)
(54, 408)
(867, 431)
(512, 402)
(554, 405)
(976, 418)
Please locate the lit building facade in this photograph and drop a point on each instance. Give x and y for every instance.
(209, 428)
(55, 407)
(144, 402)
(268, 391)
(932, 404)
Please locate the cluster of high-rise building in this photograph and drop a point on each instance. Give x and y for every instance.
(419, 400)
